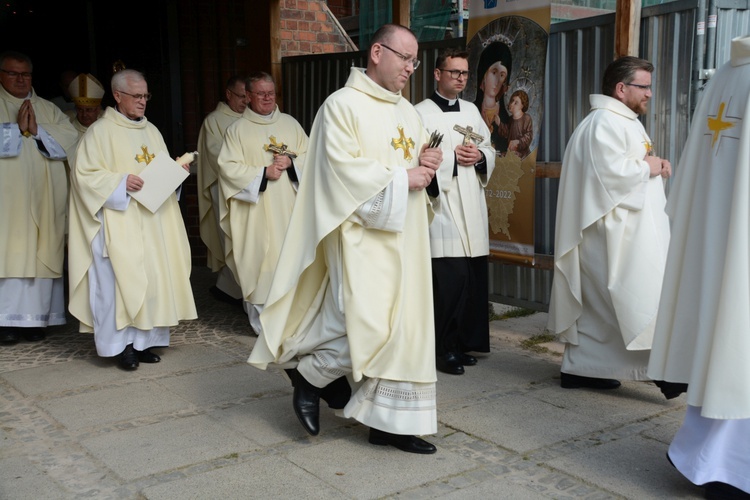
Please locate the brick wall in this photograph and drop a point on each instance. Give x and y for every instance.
(309, 27)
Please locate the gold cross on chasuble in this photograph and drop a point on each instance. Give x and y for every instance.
(279, 148)
(716, 125)
(403, 142)
(469, 134)
(145, 157)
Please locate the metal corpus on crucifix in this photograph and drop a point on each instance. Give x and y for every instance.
(145, 157)
(469, 134)
(279, 148)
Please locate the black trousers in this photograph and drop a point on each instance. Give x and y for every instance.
(460, 298)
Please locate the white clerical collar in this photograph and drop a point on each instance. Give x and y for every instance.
(126, 116)
(451, 102)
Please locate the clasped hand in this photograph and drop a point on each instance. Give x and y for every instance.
(429, 161)
(27, 118)
(277, 167)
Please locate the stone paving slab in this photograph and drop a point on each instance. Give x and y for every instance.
(204, 424)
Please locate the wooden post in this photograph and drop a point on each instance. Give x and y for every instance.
(275, 34)
(402, 12)
(627, 27)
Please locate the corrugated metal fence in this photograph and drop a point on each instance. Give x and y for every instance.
(577, 55)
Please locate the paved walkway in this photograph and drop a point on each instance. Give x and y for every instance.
(205, 424)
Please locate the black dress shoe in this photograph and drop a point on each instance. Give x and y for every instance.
(411, 444)
(570, 381)
(146, 356)
(306, 402)
(467, 359)
(224, 297)
(671, 389)
(723, 491)
(33, 334)
(8, 335)
(450, 363)
(337, 393)
(128, 358)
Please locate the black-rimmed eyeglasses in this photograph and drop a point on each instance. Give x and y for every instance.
(414, 62)
(456, 73)
(137, 96)
(15, 74)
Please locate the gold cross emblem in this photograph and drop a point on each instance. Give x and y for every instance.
(716, 125)
(403, 143)
(145, 157)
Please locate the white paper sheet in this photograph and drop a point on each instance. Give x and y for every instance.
(161, 178)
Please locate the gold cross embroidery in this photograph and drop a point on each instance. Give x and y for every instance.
(403, 143)
(716, 125)
(145, 157)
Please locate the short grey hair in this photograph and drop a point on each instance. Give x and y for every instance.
(122, 78)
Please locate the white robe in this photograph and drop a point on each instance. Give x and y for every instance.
(611, 238)
(129, 268)
(360, 252)
(34, 199)
(210, 139)
(254, 222)
(703, 328)
(460, 227)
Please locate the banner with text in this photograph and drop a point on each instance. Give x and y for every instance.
(507, 44)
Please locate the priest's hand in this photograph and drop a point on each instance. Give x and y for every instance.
(658, 166)
(419, 177)
(134, 183)
(27, 118)
(430, 157)
(666, 169)
(468, 155)
(277, 167)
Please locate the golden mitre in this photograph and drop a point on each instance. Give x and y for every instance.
(86, 91)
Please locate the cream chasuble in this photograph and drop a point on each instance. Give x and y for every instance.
(254, 231)
(606, 193)
(703, 328)
(149, 252)
(210, 139)
(460, 227)
(34, 191)
(361, 136)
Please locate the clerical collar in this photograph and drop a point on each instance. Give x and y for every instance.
(126, 116)
(445, 105)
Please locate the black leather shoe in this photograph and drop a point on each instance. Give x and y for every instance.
(337, 393)
(128, 358)
(410, 444)
(306, 402)
(570, 381)
(222, 296)
(8, 335)
(723, 491)
(450, 363)
(33, 334)
(146, 356)
(671, 389)
(467, 359)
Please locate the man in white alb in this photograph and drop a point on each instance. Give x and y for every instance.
(210, 139)
(353, 294)
(459, 238)
(611, 236)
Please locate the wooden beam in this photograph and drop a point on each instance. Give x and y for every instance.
(627, 27)
(275, 34)
(402, 12)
